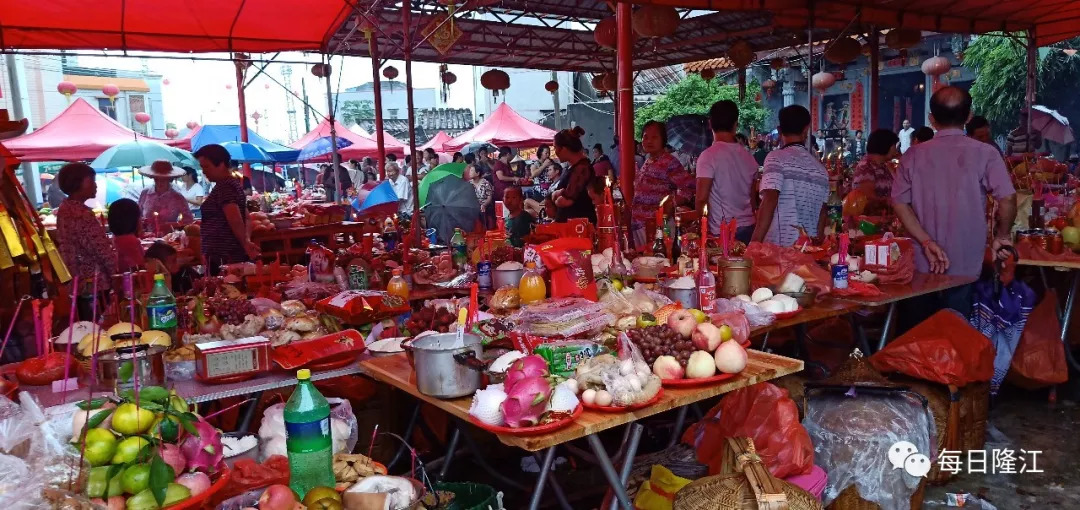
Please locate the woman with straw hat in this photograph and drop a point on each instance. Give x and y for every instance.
(161, 203)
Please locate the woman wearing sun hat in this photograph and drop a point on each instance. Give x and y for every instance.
(161, 198)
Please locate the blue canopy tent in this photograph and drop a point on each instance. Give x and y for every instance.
(231, 133)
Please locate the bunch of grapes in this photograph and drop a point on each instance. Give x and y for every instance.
(230, 311)
(428, 318)
(206, 286)
(656, 341)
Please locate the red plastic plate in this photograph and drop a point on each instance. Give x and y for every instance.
(617, 409)
(788, 315)
(529, 431)
(690, 383)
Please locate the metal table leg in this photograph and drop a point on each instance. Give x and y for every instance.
(1066, 317)
(676, 432)
(613, 478)
(556, 488)
(454, 438)
(409, 429)
(628, 463)
(545, 468)
(482, 462)
(885, 328)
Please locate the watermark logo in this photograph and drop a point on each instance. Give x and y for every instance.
(904, 455)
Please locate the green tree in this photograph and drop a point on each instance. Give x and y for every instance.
(170, 125)
(1000, 63)
(352, 112)
(693, 95)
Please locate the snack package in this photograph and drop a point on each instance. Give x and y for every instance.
(569, 261)
(320, 263)
(564, 356)
(565, 317)
(492, 330)
(363, 306)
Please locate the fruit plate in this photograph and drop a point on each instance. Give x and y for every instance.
(529, 431)
(689, 383)
(626, 409)
(788, 315)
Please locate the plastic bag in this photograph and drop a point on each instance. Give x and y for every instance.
(272, 428)
(771, 263)
(658, 492)
(626, 376)
(852, 439)
(756, 317)
(570, 264)
(736, 320)
(943, 349)
(1039, 360)
(764, 413)
(34, 457)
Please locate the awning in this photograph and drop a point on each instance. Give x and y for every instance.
(361, 147)
(211, 134)
(504, 127)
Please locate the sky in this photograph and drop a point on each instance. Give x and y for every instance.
(204, 91)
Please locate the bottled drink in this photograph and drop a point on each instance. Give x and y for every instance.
(161, 308)
(706, 287)
(658, 249)
(460, 252)
(307, 437)
(397, 286)
(835, 207)
(531, 288)
(676, 241)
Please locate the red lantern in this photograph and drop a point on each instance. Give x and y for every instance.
(606, 33)
(741, 54)
(256, 116)
(843, 50)
(266, 86)
(192, 124)
(142, 117)
(495, 80)
(449, 78)
(110, 90)
(936, 66)
(171, 133)
(66, 88)
(228, 86)
(611, 81)
(777, 63)
(552, 86)
(655, 21)
(708, 74)
(165, 81)
(598, 82)
(823, 81)
(321, 70)
(768, 84)
(390, 73)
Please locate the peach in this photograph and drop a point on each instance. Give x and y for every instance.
(667, 367)
(706, 337)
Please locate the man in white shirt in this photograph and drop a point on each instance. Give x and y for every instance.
(905, 136)
(725, 174)
(402, 188)
(794, 185)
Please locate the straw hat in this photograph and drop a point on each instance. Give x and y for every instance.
(162, 169)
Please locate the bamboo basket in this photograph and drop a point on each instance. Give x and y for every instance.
(849, 499)
(748, 486)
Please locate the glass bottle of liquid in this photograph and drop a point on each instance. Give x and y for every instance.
(531, 288)
(835, 208)
(676, 242)
(397, 286)
(308, 442)
(161, 308)
(658, 249)
(459, 250)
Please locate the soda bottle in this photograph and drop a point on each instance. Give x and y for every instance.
(531, 287)
(397, 286)
(308, 442)
(460, 252)
(161, 308)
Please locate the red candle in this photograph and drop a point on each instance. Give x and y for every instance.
(157, 224)
(704, 224)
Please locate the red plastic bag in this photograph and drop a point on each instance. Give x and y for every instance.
(944, 349)
(248, 475)
(764, 413)
(772, 263)
(570, 263)
(736, 320)
(1039, 359)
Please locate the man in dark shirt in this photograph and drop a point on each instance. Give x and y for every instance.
(520, 223)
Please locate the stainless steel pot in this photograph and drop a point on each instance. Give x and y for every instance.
(444, 368)
(119, 367)
(506, 277)
(688, 297)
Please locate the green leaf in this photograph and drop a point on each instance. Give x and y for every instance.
(128, 395)
(127, 369)
(161, 475)
(151, 406)
(187, 420)
(98, 418)
(153, 394)
(169, 429)
(87, 405)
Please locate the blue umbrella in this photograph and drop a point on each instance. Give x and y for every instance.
(244, 152)
(320, 147)
(109, 190)
(380, 199)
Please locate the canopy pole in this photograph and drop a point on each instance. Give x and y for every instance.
(241, 101)
(624, 57)
(406, 21)
(1032, 84)
(810, 72)
(875, 77)
(373, 49)
(335, 158)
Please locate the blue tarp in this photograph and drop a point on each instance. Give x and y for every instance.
(225, 133)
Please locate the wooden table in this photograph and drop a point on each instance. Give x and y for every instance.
(827, 308)
(396, 371)
(921, 284)
(292, 243)
(1064, 314)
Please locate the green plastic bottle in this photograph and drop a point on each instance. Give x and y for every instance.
(459, 249)
(161, 308)
(307, 437)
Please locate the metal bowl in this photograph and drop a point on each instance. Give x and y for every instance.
(805, 298)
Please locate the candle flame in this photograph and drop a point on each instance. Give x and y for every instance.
(705, 210)
(664, 201)
(608, 181)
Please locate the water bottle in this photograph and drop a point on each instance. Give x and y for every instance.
(459, 250)
(308, 442)
(161, 308)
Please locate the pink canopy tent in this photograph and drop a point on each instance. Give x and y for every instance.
(391, 141)
(80, 132)
(437, 142)
(361, 147)
(504, 127)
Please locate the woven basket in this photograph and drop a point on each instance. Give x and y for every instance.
(751, 488)
(849, 499)
(856, 370)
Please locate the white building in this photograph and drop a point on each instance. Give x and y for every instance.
(526, 94)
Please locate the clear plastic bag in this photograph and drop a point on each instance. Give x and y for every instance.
(272, 428)
(565, 317)
(755, 315)
(625, 376)
(736, 320)
(853, 438)
(34, 458)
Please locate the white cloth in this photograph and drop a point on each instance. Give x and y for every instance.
(803, 184)
(191, 193)
(403, 189)
(356, 175)
(732, 171)
(905, 138)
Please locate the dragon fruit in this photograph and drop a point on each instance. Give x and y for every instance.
(525, 401)
(529, 366)
(487, 405)
(203, 452)
(172, 456)
(563, 398)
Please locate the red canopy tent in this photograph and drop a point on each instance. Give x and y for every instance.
(437, 142)
(504, 127)
(80, 132)
(361, 147)
(392, 142)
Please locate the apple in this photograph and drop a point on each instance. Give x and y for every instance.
(1071, 235)
(706, 337)
(683, 322)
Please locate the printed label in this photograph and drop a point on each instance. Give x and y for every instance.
(162, 317)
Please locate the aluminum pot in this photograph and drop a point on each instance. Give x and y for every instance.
(147, 363)
(688, 297)
(444, 368)
(506, 277)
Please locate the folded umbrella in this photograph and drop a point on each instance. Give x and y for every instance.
(320, 147)
(452, 203)
(689, 133)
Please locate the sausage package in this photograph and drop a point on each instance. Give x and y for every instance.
(569, 261)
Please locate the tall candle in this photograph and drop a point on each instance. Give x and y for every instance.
(704, 224)
(157, 223)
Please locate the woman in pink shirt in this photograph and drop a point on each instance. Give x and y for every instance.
(161, 199)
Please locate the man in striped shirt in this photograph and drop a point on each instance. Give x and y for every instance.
(794, 185)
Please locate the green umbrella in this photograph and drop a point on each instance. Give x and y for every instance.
(437, 174)
(186, 158)
(138, 153)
